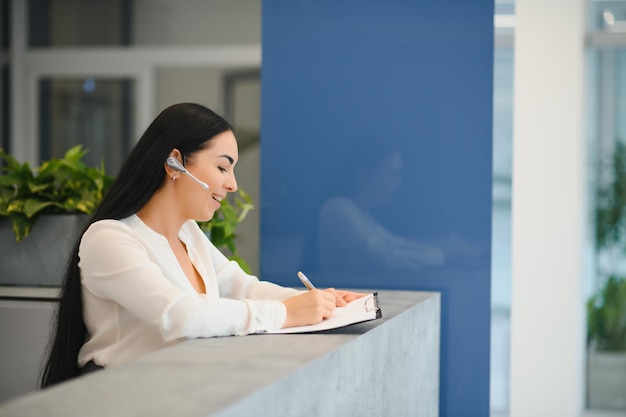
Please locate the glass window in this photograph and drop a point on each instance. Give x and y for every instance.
(501, 229)
(4, 26)
(606, 373)
(78, 23)
(608, 16)
(504, 22)
(4, 74)
(143, 22)
(242, 92)
(5, 97)
(97, 113)
(606, 303)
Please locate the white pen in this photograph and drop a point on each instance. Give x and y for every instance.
(305, 281)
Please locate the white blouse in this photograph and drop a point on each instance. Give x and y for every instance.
(137, 299)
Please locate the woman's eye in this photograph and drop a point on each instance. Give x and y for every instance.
(222, 169)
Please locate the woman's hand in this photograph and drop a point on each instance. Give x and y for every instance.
(310, 307)
(314, 306)
(343, 297)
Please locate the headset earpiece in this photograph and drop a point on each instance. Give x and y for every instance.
(175, 164)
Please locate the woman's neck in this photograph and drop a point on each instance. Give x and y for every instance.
(162, 217)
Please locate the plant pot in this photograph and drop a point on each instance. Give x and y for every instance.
(40, 258)
(606, 380)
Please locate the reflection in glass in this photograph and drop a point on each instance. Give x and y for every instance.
(606, 372)
(374, 223)
(351, 239)
(97, 113)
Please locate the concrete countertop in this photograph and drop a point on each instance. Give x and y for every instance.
(287, 373)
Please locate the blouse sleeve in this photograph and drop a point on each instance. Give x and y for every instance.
(116, 266)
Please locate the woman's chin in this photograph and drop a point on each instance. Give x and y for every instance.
(206, 218)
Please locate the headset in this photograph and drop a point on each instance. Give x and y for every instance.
(177, 166)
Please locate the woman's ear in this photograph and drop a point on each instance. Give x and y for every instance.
(177, 154)
(170, 170)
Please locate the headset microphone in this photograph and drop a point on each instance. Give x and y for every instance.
(175, 165)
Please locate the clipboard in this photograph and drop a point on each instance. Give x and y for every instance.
(362, 309)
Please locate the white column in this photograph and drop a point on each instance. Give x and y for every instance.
(549, 210)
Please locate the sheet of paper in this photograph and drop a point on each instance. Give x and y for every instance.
(362, 309)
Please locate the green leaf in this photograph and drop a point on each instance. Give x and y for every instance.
(84, 206)
(217, 236)
(11, 180)
(36, 188)
(75, 153)
(16, 206)
(230, 244)
(34, 206)
(12, 164)
(21, 226)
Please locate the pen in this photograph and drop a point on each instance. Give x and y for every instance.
(305, 281)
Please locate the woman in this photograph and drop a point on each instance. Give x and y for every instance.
(143, 276)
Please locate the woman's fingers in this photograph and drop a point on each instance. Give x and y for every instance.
(310, 307)
(343, 297)
(338, 295)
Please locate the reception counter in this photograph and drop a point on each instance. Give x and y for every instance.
(385, 367)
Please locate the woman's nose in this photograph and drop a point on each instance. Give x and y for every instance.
(231, 184)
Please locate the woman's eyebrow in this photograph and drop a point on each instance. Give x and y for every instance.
(230, 158)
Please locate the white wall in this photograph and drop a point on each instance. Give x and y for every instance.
(549, 210)
(193, 22)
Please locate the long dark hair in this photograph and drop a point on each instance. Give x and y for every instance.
(187, 127)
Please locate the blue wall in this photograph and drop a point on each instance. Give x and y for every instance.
(376, 161)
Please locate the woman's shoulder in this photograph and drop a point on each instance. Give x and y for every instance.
(109, 224)
(103, 235)
(107, 227)
(339, 205)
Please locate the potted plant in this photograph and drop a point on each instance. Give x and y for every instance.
(606, 308)
(44, 208)
(58, 186)
(57, 196)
